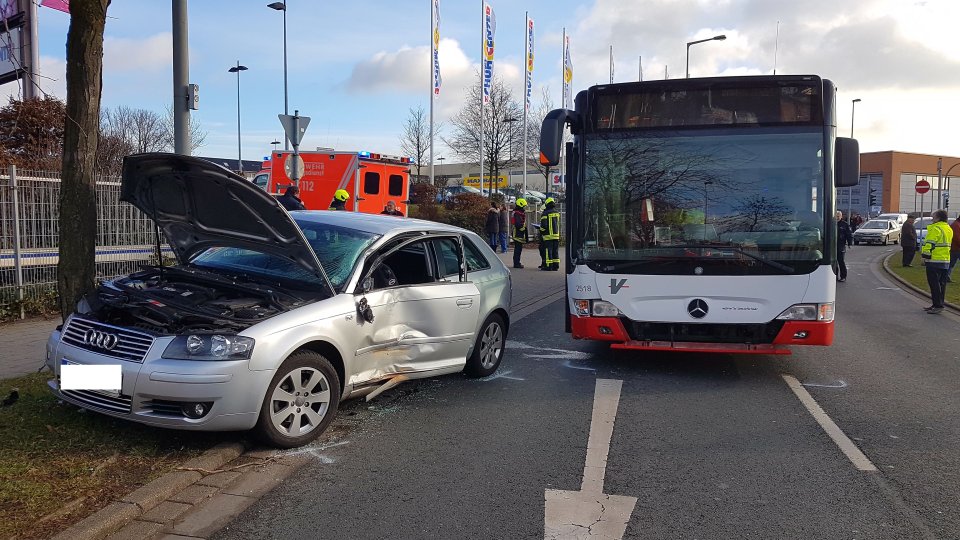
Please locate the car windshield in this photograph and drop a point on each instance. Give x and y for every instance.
(874, 225)
(668, 202)
(337, 248)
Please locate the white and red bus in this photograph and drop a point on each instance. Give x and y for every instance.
(700, 212)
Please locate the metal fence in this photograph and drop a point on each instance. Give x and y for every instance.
(30, 231)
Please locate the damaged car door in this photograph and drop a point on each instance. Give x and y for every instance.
(416, 318)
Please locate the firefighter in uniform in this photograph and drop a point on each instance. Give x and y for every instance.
(339, 200)
(936, 257)
(519, 232)
(550, 235)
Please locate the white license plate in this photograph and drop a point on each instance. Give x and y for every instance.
(102, 392)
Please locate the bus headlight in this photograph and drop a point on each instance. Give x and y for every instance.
(808, 312)
(582, 308)
(605, 309)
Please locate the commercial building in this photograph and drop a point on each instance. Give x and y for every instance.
(888, 184)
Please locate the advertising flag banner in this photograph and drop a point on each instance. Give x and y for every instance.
(567, 74)
(59, 5)
(529, 70)
(489, 30)
(437, 81)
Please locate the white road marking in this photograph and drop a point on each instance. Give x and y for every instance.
(590, 513)
(501, 375)
(858, 458)
(840, 384)
(571, 366)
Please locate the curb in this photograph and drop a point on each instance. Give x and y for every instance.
(146, 497)
(906, 284)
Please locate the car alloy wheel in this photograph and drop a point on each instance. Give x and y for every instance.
(488, 348)
(300, 401)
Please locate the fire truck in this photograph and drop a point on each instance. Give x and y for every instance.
(371, 179)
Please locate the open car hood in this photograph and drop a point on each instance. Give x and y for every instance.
(199, 205)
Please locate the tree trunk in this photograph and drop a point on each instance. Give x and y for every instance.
(76, 270)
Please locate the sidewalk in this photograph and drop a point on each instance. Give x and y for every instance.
(22, 343)
(22, 346)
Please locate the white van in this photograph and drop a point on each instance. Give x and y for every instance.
(899, 219)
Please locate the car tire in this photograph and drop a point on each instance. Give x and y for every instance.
(884, 240)
(288, 430)
(488, 348)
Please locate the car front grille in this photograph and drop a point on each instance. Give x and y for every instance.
(121, 404)
(703, 332)
(120, 342)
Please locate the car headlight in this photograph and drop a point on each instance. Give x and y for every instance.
(210, 347)
(808, 312)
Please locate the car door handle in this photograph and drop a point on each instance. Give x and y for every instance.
(464, 302)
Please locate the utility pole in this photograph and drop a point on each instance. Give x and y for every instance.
(181, 74)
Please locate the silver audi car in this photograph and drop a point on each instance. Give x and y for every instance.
(269, 319)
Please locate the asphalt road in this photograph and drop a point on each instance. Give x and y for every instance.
(712, 446)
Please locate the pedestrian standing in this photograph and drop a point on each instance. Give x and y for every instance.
(519, 235)
(908, 240)
(954, 247)
(550, 232)
(291, 199)
(493, 225)
(844, 239)
(936, 257)
(391, 209)
(504, 227)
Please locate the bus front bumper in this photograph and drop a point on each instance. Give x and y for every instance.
(611, 329)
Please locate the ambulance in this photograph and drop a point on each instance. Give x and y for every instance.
(371, 179)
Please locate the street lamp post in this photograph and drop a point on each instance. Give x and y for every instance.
(853, 111)
(689, 43)
(282, 6)
(441, 159)
(237, 69)
(275, 143)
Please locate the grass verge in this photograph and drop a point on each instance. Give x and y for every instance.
(59, 464)
(916, 275)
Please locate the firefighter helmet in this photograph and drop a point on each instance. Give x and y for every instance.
(521, 203)
(549, 201)
(341, 195)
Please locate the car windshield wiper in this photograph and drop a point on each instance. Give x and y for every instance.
(729, 247)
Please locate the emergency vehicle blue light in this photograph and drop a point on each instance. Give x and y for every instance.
(363, 154)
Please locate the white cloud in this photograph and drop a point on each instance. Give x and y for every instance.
(147, 54)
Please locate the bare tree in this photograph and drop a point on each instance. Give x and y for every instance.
(415, 139)
(143, 129)
(76, 269)
(501, 128)
(534, 123)
(198, 135)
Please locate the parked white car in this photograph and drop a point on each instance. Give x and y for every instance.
(270, 318)
(899, 219)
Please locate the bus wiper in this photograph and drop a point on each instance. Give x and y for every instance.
(739, 251)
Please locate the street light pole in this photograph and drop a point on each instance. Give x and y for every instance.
(237, 69)
(853, 111)
(275, 143)
(689, 43)
(282, 6)
(441, 159)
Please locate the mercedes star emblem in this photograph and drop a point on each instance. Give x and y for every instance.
(697, 308)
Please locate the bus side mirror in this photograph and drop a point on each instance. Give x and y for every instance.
(846, 162)
(551, 135)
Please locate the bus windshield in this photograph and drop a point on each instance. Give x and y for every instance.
(716, 201)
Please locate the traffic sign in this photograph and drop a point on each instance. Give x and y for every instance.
(922, 187)
(288, 166)
(294, 126)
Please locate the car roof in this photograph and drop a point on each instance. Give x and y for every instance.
(371, 223)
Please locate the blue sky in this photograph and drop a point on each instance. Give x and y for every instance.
(357, 67)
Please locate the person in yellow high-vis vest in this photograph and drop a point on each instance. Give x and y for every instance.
(935, 254)
(519, 230)
(550, 233)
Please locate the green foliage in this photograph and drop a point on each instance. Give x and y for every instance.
(466, 210)
(44, 305)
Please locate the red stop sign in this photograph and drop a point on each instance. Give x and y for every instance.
(922, 186)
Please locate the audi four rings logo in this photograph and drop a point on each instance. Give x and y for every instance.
(101, 340)
(697, 308)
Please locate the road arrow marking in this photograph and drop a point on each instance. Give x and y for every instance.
(571, 366)
(840, 384)
(590, 513)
